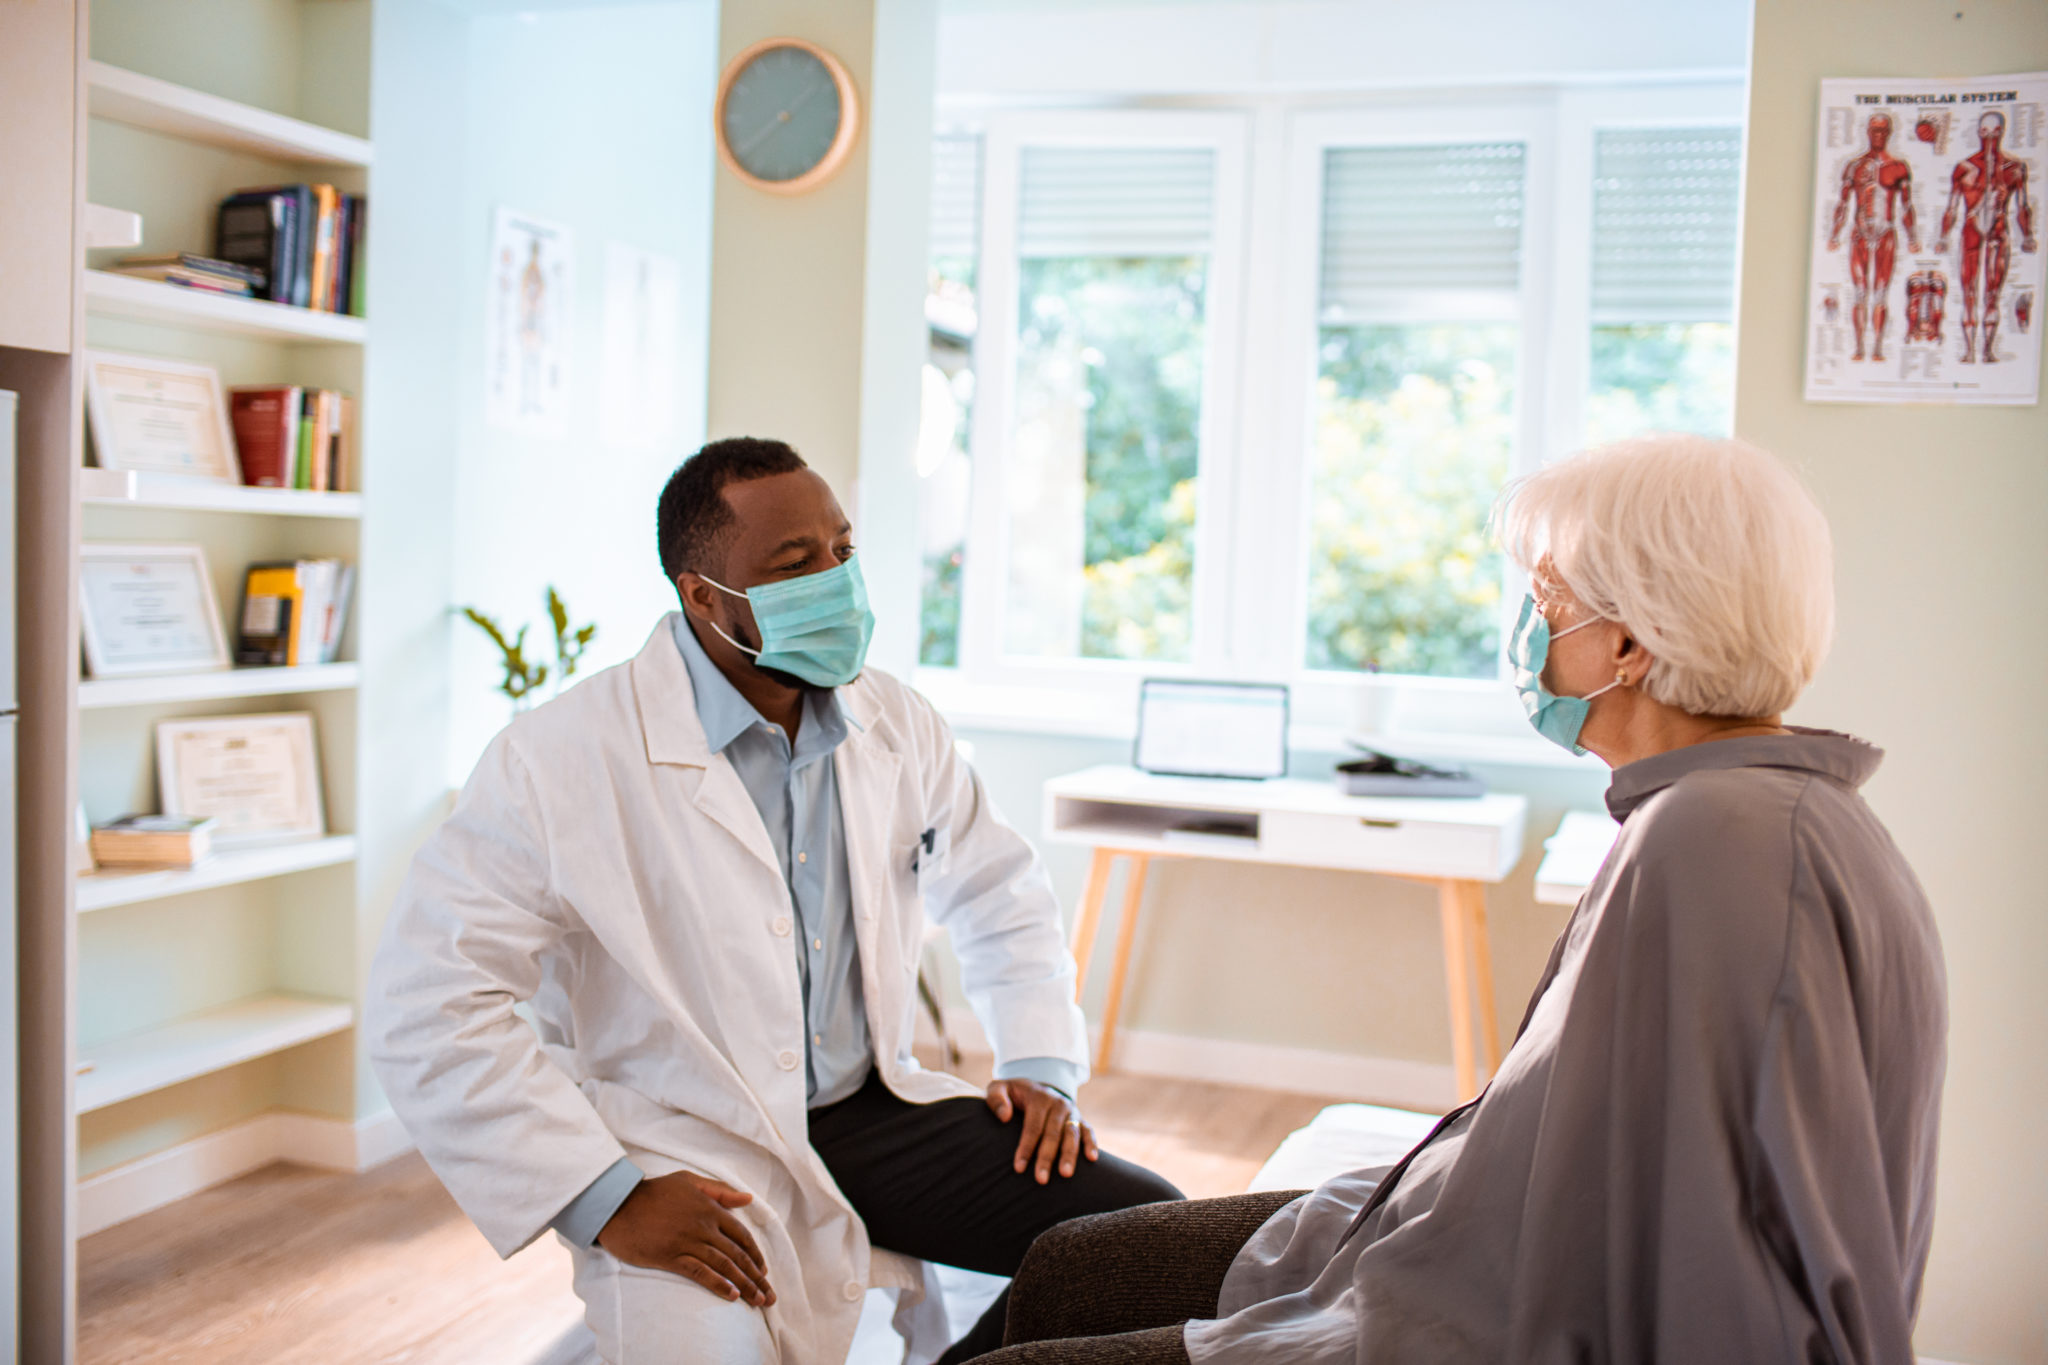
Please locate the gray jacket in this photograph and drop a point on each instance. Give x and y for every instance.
(1714, 1138)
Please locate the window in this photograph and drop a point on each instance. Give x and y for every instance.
(1113, 266)
(1414, 406)
(1241, 418)
(1665, 202)
(946, 408)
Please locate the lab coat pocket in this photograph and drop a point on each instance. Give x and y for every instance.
(931, 856)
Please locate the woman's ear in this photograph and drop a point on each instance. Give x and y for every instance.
(1632, 657)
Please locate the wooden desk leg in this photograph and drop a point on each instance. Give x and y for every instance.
(1457, 980)
(1089, 914)
(1482, 976)
(1126, 930)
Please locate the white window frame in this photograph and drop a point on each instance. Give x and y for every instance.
(1581, 116)
(1252, 542)
(1328, 699)
(1085, 691)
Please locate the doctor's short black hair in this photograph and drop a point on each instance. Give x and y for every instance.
(694, 516)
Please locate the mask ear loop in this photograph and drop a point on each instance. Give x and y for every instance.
(1620, 674)
(755, 653)
(1620, 680)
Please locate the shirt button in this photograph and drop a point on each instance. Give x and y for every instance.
(781, 926)
(787, 1061)
(819, 944)
(853, 1291)
(803, 857)
(818, 1039)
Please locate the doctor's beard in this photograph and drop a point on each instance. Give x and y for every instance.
(749, 638)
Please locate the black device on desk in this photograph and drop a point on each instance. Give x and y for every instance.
(1378, 774)
(1211, 729)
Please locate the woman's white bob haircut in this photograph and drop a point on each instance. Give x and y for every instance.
(1711, 553)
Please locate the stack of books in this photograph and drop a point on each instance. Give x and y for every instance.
(188, 271)
(293, 612)
(292, 437)
(306, 239)
(152, 841)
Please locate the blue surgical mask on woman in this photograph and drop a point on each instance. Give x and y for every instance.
(1557, 719)
(816, 627)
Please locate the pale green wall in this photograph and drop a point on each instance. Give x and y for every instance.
(593, 118)
(1942, 646)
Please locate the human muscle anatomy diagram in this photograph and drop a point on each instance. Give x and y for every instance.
(1877, 200)
(1926, 301)
(1924, 191)
(1986, 190)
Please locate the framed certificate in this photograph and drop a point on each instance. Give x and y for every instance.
(258, 776)
(148, 609)
(156, 416)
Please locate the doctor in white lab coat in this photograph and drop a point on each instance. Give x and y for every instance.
(707, 873)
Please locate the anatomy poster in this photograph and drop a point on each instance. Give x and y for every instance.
(643, 372)
(1926, 279)
(526, 375)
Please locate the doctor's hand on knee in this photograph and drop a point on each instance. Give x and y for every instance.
(682, 1223)
(1053, 1130)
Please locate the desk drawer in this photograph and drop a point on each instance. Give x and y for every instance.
(1422, 848)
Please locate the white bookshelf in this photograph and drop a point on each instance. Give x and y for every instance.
(287, 912)
(103, 693)
(123, 488)
(189, 1048)
(146, 102)
(110, 295)
(105, 890)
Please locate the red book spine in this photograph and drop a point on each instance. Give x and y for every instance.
(265, 422)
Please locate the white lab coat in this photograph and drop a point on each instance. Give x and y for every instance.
(605, 866)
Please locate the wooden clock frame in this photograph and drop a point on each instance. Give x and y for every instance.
(842, 145)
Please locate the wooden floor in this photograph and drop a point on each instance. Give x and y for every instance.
(291, 1264)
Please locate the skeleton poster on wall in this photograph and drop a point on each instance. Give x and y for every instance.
(1926, 279)
(526, 375)
(642, 377)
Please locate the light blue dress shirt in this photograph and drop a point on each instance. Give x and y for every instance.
(797, 794)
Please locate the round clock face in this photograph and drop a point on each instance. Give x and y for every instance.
(782, 114)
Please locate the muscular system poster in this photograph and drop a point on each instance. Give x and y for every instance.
(1926, 279)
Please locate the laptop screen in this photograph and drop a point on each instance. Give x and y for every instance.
(1211, 729)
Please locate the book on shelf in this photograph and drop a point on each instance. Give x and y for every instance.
(358, 277)
(293, 612)
(153, 841)
(307, 238)
(293, 437)
(266, 424)
(194, 272)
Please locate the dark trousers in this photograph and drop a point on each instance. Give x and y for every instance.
(935, 1181)
(1118, 1288)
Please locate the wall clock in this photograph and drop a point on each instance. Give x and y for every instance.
(786, 117)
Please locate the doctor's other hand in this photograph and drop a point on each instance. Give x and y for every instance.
(1052, 1126)
(681, 1223)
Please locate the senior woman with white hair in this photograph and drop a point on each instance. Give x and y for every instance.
(1713, 1139)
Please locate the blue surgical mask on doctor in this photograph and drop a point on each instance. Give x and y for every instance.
(1557, 719)
(816, 627)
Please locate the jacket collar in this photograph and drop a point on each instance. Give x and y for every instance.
(1827, 753)
(667, 702)
(669, 713)
(727, 715)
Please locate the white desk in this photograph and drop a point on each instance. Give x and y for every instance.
(1456, 845)
(1572, 857)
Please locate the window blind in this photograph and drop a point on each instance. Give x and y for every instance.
(1664, 224)
(1116, 201)
(1408, 220)
(956, 195)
